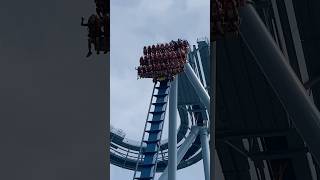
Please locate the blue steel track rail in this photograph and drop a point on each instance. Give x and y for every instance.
(153, 129)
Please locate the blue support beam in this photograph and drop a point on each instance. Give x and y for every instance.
(172, 148)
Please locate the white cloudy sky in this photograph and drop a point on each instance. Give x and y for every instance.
(135, 23)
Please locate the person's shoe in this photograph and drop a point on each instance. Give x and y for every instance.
(89, 54)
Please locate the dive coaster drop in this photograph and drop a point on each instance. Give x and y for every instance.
(186, 145)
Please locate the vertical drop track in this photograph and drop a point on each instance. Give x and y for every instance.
(150, 143)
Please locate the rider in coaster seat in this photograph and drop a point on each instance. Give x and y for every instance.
(179, 42)
(144, 50)
(147, 58)
(149, 50)
(141, 61)
(95, 32)
(151, 68)
(166, 46)
(153, 48)
(161, 47)
(161, 57)
(143, 72)
(171, 46)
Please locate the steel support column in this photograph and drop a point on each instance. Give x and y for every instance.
(212, 110)
(282, 78)
(200, 90)
(205, 152)
(183, 149)
(172, 141)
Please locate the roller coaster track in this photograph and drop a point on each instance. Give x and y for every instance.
(127, 153)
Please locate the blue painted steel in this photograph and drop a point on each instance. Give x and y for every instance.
(204, 52)
(148, 165)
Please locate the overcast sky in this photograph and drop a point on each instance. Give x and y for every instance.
(133, 25)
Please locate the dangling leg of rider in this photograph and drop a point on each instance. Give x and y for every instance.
(89, 48)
